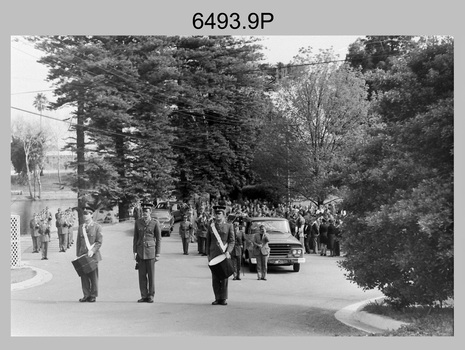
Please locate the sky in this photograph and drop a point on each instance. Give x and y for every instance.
(28, 76)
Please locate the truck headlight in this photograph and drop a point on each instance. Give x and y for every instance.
(297, 252)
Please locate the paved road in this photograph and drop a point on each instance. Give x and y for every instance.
(288, 304)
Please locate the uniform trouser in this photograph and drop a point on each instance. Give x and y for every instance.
(62, 241)
(185, 244)
(302, 240)
(70, 237)
(220, 288)
(147, 277)
(89, 283)
(202, 242)
(315, 244)
(35, 243)
(262, 265)
(236, 260)
(44, 248)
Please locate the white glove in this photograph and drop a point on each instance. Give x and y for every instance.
(135, 256)
(228, 256)
(90, 253)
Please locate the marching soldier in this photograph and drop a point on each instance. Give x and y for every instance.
(35, 235)
(44, 231)
(146, 248)
(236, 254)
(202, 228)
(186, 231)
(59, 222)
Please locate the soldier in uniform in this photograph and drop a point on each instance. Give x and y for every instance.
(186, 231)
(59, 222)
(88, 241)
(202, 228)
(35, 235)
(226, 234)
(44, 231)
(236, 254)
(70, 223)
(146, 248)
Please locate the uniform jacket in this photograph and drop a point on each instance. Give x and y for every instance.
(226, 233)
(147, 239)
(44, 231)
(263, 248)
(202, 225)
(239, 243)
(94, 234)
(34, 225)
(186, 229)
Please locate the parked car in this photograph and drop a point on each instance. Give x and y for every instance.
(286, 250)
(165, 219)
(173, 206)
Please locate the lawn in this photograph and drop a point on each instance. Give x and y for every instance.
(50, 183)
(423, 321)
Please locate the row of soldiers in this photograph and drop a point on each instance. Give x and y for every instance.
(41, 224)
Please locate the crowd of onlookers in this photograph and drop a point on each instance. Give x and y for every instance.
(318, 228)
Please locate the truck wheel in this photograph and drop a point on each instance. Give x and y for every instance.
(296, 267)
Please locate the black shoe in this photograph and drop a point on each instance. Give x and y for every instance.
(238, 278)
(216, 302)
(83, 300)
(222, 302)
(235, 278)
(142, 300)
(263, 278)
(43, 259)
(91, 299)
(204, 254)
(149, 300)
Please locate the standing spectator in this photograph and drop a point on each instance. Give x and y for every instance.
(300, 223)
(89, 241)
(59, 222)
(202, 228)
(34, 225)
(315, 230)
(146, 248)
(261, 251)
(236, 254)
(323, 237)
(331, 237)
(225, 232)
(186, 231)
(337, 234)
(307, 233)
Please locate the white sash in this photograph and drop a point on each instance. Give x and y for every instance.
(222, 245)
(89, 247)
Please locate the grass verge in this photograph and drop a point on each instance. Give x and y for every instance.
(423, 321)
(21, 274)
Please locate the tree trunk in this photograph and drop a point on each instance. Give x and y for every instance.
(80, 159)
(40, 186)
(28, 171)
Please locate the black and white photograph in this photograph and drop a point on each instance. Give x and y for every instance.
(232, 179)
